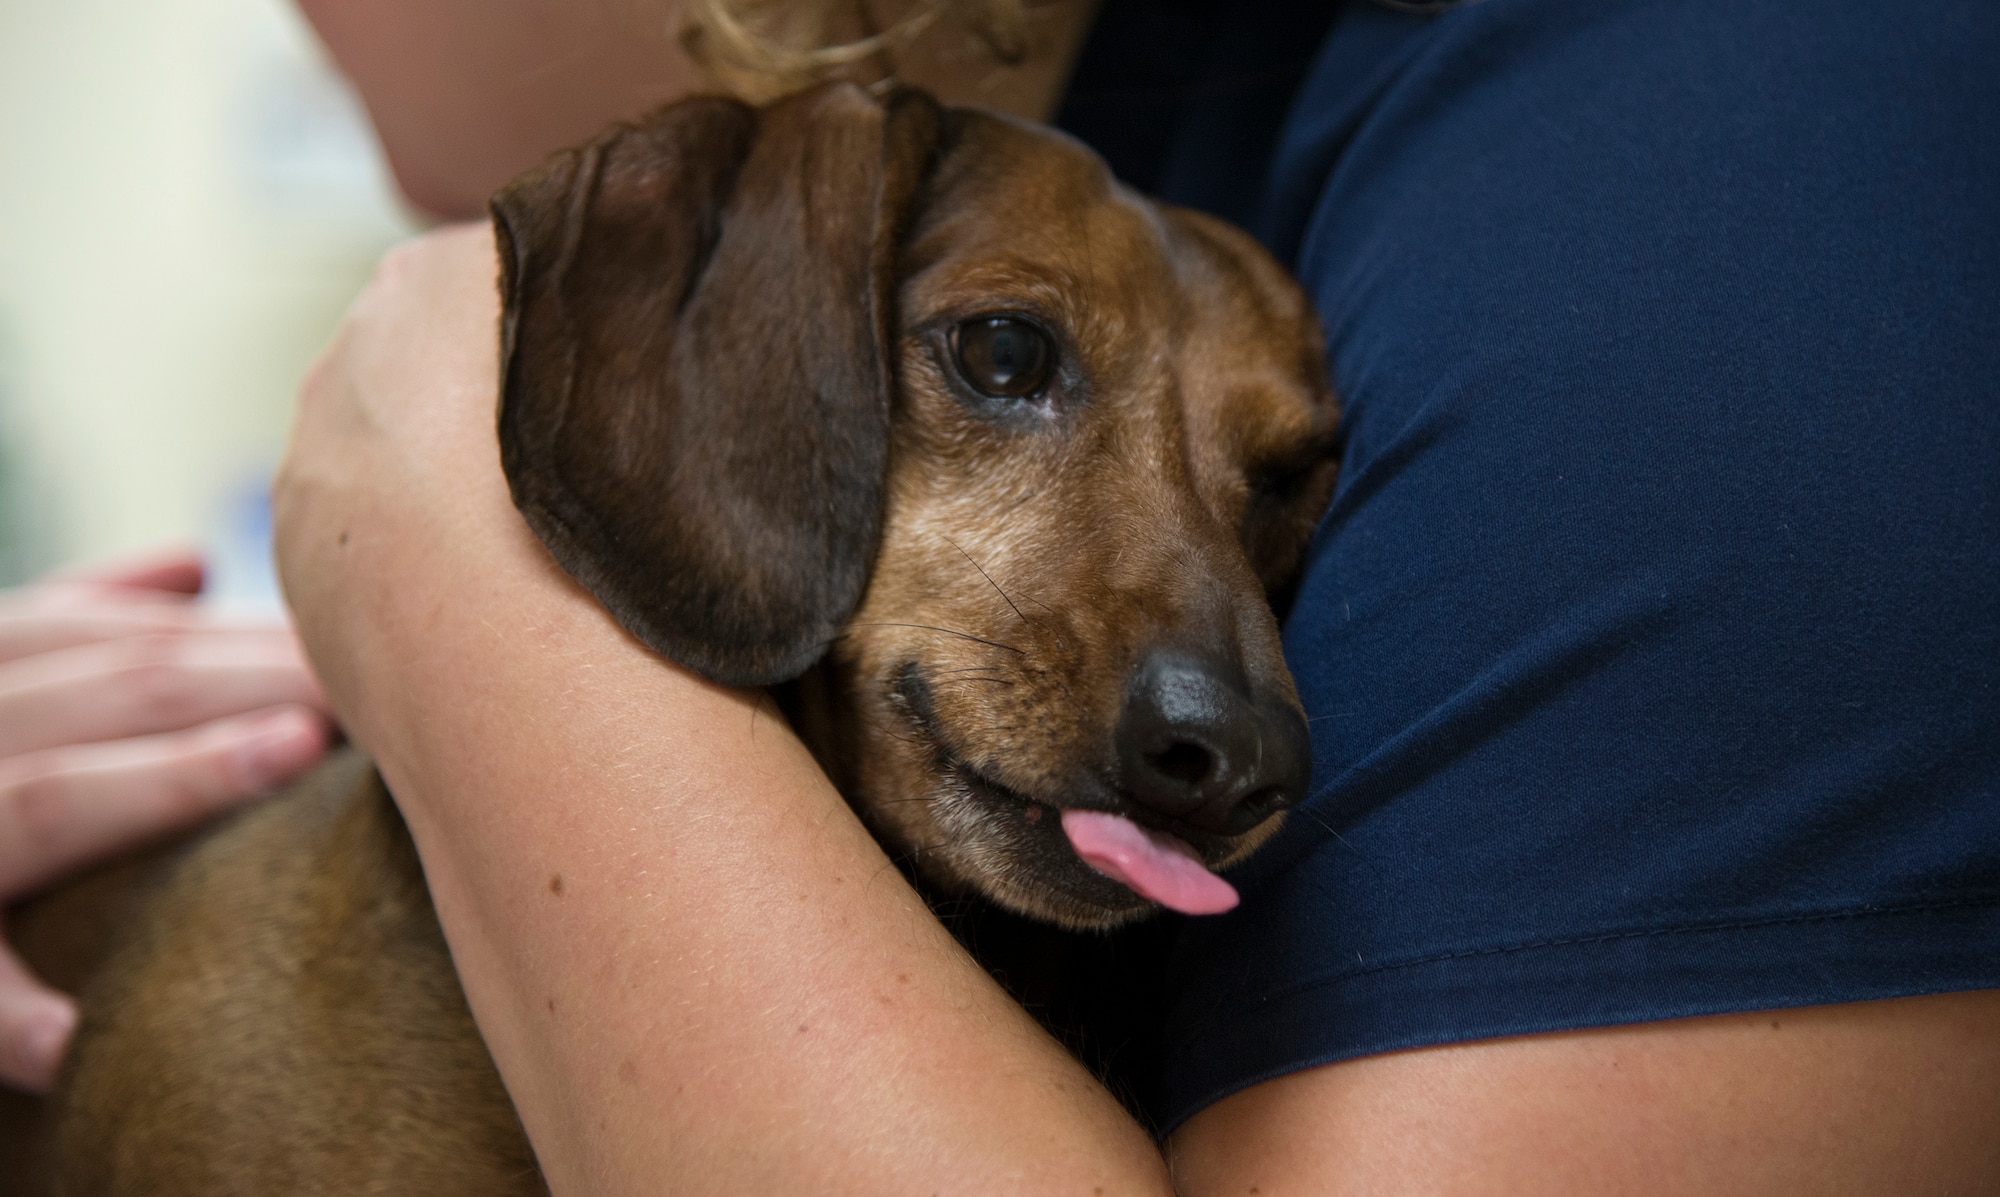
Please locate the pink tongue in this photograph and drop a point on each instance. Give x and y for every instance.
(1155, 865)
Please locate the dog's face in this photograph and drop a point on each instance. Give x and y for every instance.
(1010, 458)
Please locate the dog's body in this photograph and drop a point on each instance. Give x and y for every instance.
(803, 397)
(280, 1016)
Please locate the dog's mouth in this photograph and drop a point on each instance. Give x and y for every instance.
(1154, 864)
(1084, 858)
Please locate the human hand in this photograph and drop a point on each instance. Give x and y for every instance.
(527, 739)
(126, 712)
(390, 506)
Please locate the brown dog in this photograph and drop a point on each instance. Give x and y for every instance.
(991, 462)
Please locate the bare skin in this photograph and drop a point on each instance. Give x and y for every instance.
(765, 1007)
(126, 712)
(1877, 1097)
(681, 967)
(463, 101)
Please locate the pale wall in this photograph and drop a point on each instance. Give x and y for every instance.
(187, 201)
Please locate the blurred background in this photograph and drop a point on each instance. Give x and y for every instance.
(189, 197)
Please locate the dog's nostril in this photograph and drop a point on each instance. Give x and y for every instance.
(1184, 762)
(1194, 745)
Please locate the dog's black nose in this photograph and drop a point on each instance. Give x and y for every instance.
(1193, 745)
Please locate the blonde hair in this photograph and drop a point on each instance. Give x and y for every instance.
(763, 49)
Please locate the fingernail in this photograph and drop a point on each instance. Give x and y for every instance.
(278, 748)
(45, 1038)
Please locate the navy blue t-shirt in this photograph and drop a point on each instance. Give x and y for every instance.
(1651, 644)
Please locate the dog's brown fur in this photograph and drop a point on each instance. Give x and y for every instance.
(732, 410)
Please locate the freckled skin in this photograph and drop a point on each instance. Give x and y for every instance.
(316, 1038)
(1031, 552)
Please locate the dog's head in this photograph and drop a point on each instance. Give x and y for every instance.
(923, 402)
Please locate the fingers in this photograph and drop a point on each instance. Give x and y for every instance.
(35, 1026)
(66, 807)
(48, 620)
(122, 717)
(102, 602)
(143, 685)
(176, 571)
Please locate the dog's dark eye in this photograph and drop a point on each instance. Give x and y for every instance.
(1004, 357)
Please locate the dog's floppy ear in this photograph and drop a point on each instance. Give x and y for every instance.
(696, 370)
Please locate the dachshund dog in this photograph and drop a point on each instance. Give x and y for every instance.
(993, 467)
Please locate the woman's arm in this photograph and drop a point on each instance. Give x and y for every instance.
(698, 974)
(783, 1015)
(1889, 1097)
(649, 889)
(695, 969)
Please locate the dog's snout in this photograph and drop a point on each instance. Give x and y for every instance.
(1195, 746)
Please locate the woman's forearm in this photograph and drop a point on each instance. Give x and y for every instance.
(696, 971)
(779, 1012)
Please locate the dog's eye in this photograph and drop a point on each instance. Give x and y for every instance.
(1004, 357)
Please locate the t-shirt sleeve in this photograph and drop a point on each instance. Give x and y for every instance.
(1651, 646)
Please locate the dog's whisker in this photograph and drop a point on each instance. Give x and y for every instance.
(1327, 827)
(928, 627)
(989, 579)
(970, 789)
